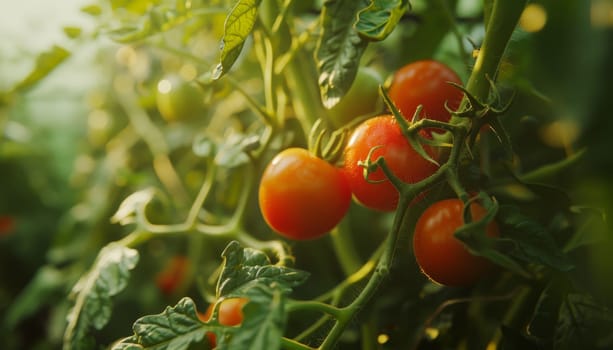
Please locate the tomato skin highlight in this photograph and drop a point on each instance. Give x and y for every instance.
(441, 256)
(425, 83)
(301, 196)
(400, 157)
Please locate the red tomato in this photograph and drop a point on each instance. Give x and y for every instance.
(169, 279)
(400, 157)
(441, 256)
(7, 225)
(302, 196)
(425, 83)
(230, 313)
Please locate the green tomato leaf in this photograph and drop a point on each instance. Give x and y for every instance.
(178, 327)
(132, 205)
(592, 229)
(263, 323)
(203, 146)
(380, 18)
(92, 10)
(249, 267)
(132, 33)
(174, 329)
(156, 19)
(72, 32)
(46, 62)
(474, 238)
(231, 153)
(339, 49)
(545, 317)
(583, 323)
(138, 7)
(237, 27)
(93, 292)
(531, 241)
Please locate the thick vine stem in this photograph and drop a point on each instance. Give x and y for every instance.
(380, 273)
(502, 20)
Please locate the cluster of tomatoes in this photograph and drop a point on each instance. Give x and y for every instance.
(303, 197)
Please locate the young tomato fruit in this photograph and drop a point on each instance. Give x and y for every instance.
(425, 83)
(178, 99)
(385, 133)
(361, 99)
(441, 256)
(230, 313)
(302, 196)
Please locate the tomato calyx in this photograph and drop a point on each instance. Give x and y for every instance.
(411, 130)
(482, 114)
(371, 166)
(325, 144)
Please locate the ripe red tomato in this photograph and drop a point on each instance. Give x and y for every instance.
(230, 313)
(169, 279)
(425, 83)
(401, 158)
(441, 256)
(302, 196)
(7, 225)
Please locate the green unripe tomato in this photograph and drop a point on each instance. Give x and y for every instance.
(178, 99)
(361, 99)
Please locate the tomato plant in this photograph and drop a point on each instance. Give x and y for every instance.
(426, 83)
(302, 196)
(441, 256)
(382, 135)
(249, 150)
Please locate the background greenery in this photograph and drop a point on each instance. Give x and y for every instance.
(71, 151)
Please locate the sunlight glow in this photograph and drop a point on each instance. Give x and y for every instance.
(383, 338)
(601, 13)
(533, 19)
(560, 134)
(164, 86)
(432, 333)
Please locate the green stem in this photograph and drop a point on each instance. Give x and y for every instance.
(502, 20)
(291, 344)
(313, 305)
(298, 72)
(546, 171)
(345, 248)
(369, 334)
(381, 272)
